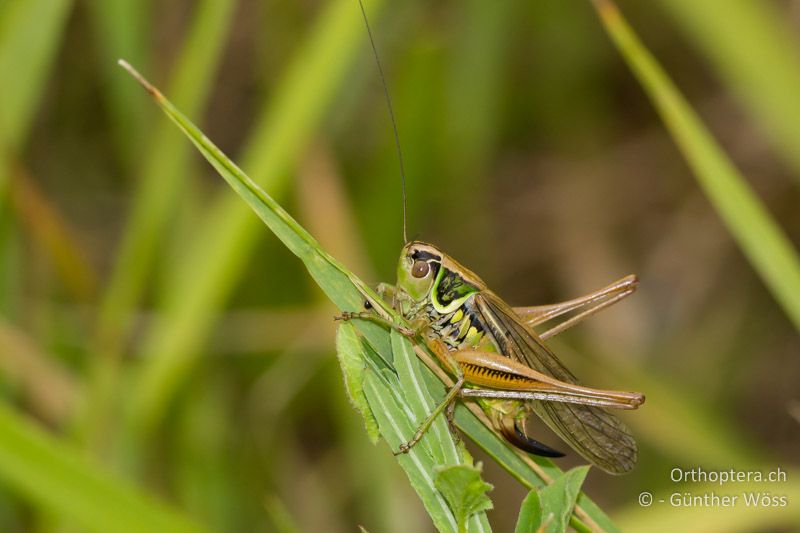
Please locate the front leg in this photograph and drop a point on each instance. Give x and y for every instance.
(377, 319)
(394, 297)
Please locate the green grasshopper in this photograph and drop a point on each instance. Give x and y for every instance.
(496, 356)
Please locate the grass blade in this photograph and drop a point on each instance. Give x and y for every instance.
(418, 465)
(46, 225)
(45, 383)
(421, 402)
(61, 481)
(166, 168)
(164, 172)
(755, 52)
(202, 281)
(761, 239)
(30, 31)
(120, 30)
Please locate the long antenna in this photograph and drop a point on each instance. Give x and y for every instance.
(391, 116)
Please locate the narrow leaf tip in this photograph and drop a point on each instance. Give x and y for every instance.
(141, 79)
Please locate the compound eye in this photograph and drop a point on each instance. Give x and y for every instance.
(420, 269)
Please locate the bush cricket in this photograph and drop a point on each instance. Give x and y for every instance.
(496, 356)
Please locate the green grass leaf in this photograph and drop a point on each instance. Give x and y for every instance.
(62, 481)
(164, 172)
(352, 357)
(464, 491)
(348, 292)
(30, 32)
(200, 282)
(422, 402)
(755, 51)
(418, 463)
(398, 403)
(120, 29)
(166, 167)
(760, 238)
(550, 509)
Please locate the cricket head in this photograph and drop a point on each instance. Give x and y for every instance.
(425, 272)
(417, 269)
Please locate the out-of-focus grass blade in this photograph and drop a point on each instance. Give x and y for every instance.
(755, 51)
(30, 31)
(59, 480)
(474, 88)
(340, 285)
(279, 518)
(473, 100)
(163, 173)
(167, 164)
(212, 493)
(46, 225)
(120, 30)
(49, 388)
(205, 276)
(759, 237)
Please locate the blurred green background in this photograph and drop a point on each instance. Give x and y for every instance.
(161, 337)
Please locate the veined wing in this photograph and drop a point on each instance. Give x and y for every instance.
(596, 434)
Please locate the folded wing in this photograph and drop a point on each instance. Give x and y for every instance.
(593, 432)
